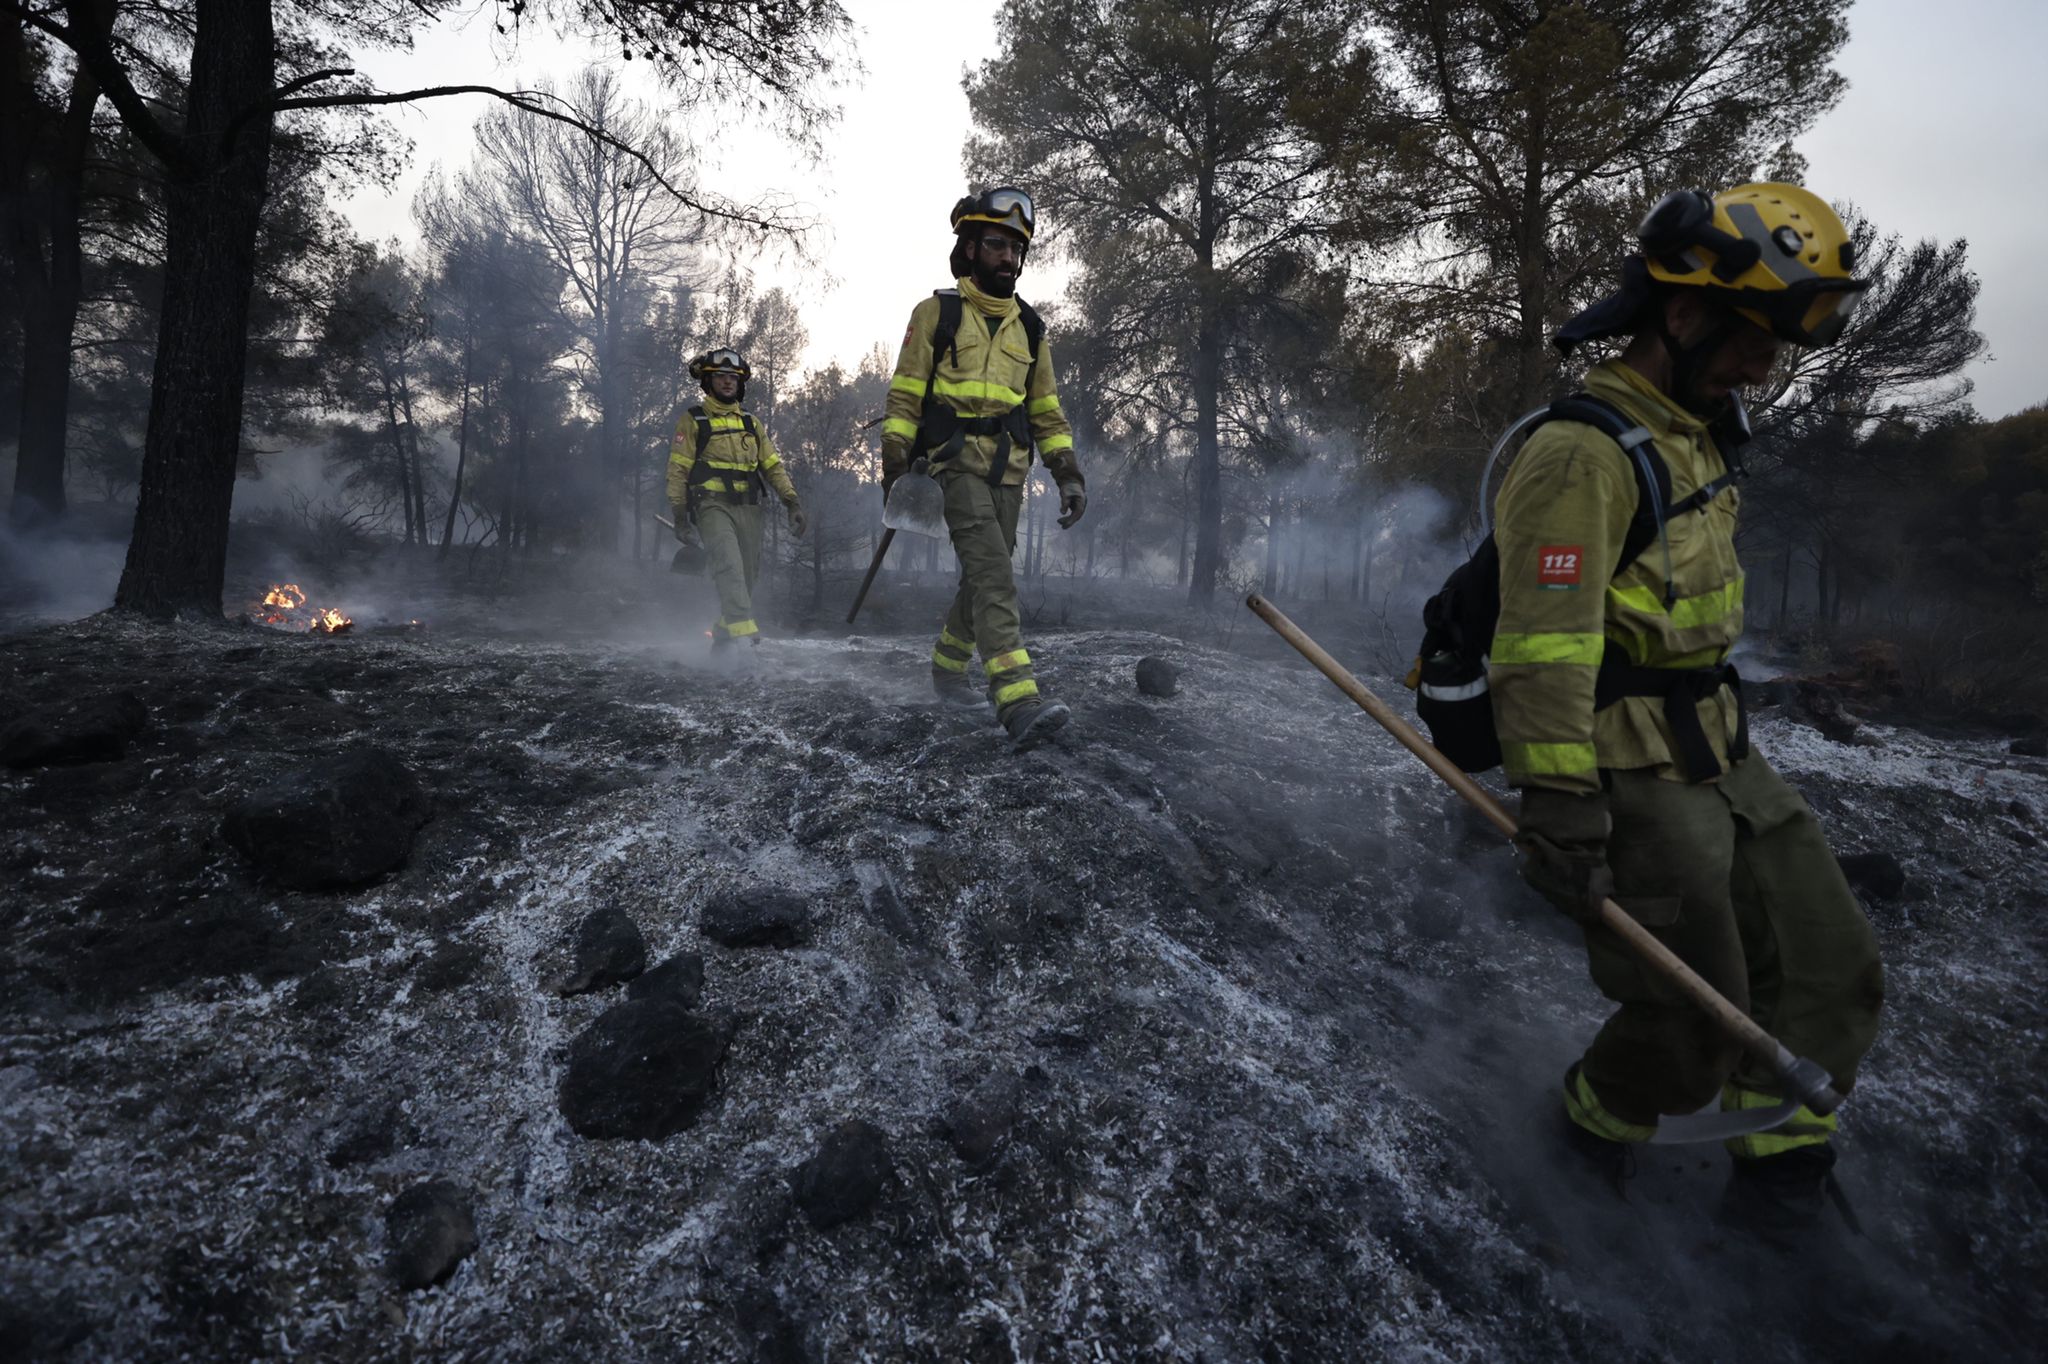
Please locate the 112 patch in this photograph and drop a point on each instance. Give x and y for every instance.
(1557, 567)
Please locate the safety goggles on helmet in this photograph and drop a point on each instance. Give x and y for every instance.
(724, 360)
(1775, 253)
(1004, 206)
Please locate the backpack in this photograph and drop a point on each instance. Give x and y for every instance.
(941, 432)
(1449, 675)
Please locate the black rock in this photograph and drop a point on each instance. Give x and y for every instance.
(428, 1230)
(2033, 746)
(608, 949)
(643, 1070)
(679, 980)
(978, 1123)
(759, 916)
(91, 729)
(1877, 872)
(845, 1177)
(338, 822)
(1157, 677)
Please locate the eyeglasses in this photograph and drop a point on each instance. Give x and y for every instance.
(995, 245)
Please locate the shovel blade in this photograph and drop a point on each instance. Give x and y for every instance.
(916, 506)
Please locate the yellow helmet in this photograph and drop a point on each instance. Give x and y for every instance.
(1005, 206)
(1775, 253)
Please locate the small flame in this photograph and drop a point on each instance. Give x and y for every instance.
(284, 604)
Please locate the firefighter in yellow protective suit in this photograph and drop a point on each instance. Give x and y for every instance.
(1621, 721)
(717, 464)
(972, 395)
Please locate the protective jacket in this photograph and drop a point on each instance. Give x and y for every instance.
(736, 456)
(1559, 521)
(985, 372)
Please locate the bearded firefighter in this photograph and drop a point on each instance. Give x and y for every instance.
(1621, 719)
(973, 396)
(717, 466)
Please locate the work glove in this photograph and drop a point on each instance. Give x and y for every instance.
(798, 522)
(1073, 502)
(1563, 838)
(682, 528)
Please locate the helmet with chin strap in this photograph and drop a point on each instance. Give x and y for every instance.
(724, 360)
(1003, 206)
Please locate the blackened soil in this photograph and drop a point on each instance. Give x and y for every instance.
(1274, 1036)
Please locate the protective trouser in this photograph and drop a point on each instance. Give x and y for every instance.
(1735, 877)
(732, 548)
(983, 523)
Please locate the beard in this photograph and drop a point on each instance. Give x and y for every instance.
(995, 282)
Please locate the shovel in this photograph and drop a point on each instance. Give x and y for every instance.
(1805, 1082)
(689, 555)
(916, 503)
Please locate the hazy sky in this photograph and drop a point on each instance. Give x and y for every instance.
(1944, 133)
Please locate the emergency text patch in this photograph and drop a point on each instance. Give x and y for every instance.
(1557, 567)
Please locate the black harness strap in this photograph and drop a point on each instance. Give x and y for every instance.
(700, 472)
(1682, 689)
(942, 432)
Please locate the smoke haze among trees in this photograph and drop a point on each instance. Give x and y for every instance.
(1315, 252)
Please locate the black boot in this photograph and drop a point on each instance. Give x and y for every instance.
(1030, 721)
(1614, 1162)
(1781, 1198)
(955, 690)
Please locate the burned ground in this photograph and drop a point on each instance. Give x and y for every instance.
(1205, 1032)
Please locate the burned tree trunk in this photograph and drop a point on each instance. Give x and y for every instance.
(177, 560)
(41, 215)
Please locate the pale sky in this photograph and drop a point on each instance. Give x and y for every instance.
(1944, 133)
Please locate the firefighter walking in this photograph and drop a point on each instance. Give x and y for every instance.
(1621, 721)
(973, 394)
(717, 465)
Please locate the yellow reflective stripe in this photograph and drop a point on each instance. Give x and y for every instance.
(1549, 760)
(727, 464)
(726, 424)
(904, 383)
(772, 461)
(741, 627)
(1016, 691)
(947, 637)
(1707, 608)
(1581, 649)
(1049, 403)
(1052, 445)
(1003, 663)
(1583, 1106)
(897, 426)
(977, 388)
(948, 662)
(681, 456)
(1804, 1128)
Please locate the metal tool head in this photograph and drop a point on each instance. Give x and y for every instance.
(916, 504)
(689, 558)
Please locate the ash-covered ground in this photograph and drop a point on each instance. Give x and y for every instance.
(1206, 1032)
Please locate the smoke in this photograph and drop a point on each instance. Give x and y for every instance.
(48, 576)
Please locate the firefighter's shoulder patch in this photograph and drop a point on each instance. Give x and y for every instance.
(1557, 567)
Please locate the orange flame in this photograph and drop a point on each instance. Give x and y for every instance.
(282, 606)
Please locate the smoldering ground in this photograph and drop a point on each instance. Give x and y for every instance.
(1257, 1045)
